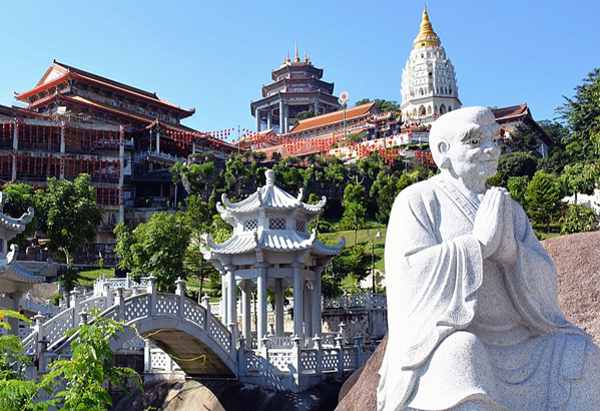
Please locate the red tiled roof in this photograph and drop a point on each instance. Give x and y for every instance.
(73, 72)
(331, 118)
(511, 113)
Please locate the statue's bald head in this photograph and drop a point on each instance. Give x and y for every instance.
(456, 126)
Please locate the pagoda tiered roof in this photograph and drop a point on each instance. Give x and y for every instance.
(270, 197)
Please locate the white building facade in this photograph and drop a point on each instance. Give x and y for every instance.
(429, 88)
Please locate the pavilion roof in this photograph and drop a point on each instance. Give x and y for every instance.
(16, 273)
(15, 225)
(331, 118)
(270, 240)
(269, 196)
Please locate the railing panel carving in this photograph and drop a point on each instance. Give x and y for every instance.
(138, 307)
(167, 304)
(219, 334)
(194, 313)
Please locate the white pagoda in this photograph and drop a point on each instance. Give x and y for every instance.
(429, 87)
(270, 248)
(17, 278)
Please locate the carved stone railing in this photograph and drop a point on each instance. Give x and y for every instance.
(362, 300)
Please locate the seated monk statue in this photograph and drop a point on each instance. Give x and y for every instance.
(473, 314)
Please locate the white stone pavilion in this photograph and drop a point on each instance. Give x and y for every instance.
(271, 249)
(17, 277)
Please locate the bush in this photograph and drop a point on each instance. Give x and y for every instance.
(578, 219)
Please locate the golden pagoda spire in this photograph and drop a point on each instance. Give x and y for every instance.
(426, 37)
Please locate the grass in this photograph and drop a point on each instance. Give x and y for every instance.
(362, 236)
(88, 277)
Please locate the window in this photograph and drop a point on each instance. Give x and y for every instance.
(250, 225)
(277, 223)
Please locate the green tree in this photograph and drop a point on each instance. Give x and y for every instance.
(354, 216)
(89, 370)
(579, 178)
(517, 187)
(69, 214)
(156, 247)
(517, 164)
(582, 116)
(303, 115)
(578, 218)
(384, 191)
(543, 198)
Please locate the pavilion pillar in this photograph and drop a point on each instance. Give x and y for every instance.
(231, 301)
(281, 116)
(298, 299)
(246, 314)
(269, 119)
(261, 285)
(258, 120)
(316, 107)
(62, 150)
(224, 311)
(279, 329)
(316, 305)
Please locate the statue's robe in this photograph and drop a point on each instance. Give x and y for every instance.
(464, 328)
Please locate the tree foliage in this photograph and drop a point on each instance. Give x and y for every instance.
(578, 218)
(542, 198)
(68, 214)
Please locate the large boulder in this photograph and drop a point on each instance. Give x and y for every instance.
(230, 395)
(577, 260)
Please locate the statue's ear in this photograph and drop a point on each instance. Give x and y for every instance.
(442, 148)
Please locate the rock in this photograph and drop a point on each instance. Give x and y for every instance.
(577, 262)
(228, 395)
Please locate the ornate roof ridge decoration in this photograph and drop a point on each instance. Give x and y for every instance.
(269, 197)
(15, 225)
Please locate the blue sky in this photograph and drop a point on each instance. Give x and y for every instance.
(215, 56)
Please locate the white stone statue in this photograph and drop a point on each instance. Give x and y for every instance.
(474, 320)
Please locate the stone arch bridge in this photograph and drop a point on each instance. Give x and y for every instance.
(196, 340)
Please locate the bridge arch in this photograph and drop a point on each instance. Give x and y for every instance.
(196, 340)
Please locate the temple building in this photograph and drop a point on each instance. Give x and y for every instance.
(296, 88)
(125, 138)
(271, 249)
(429, 86)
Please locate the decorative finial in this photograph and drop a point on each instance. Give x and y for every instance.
(270, 174)
(427, 37)
(296, 55)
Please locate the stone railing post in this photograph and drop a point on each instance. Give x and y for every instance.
(151, 289)
(84, 317)
(206, 305)
(75, 307)
(264, 347)
(120, 301)
(180, 291)
(241, 357)
(319, 348)
(358, 345)
(41, 341)
(38, 325)
(340, 354)
(296, 363)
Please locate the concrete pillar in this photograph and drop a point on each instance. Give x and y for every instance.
(121, 218)
(316, 107)
(298, 298)
(285, 118)
(15, 149)
(224, 311)
(281, 116)
(316, 305)
(269, 119)
(158, 140)
(279, 329)
(307, 313)
(246, 313)
(258, 120)
(231, 300)
(261, 285)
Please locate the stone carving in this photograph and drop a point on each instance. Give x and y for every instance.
(474, 322)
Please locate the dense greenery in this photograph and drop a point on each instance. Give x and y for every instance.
(78, 383)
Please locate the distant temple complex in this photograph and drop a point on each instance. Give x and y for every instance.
(296, 88)
(125, 138)
(429, 89)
